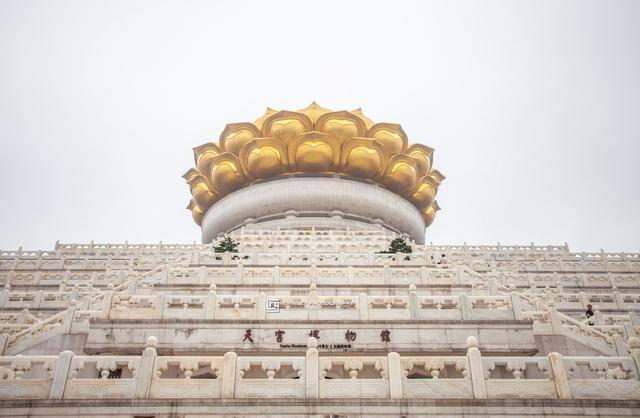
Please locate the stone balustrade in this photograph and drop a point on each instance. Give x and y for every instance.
(70, 376)
(312, 306)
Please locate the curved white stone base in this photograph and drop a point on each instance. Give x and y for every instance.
(320, 202)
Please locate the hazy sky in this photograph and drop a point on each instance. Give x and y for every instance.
(533, 108)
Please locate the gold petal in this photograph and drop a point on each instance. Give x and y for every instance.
(423, 154)
(226, 173)
(235, 135)
(343, 125)
(286, 125)
(314, 152)
(401, 175)
(196, 212)
(425, 192)
(429, 214)
(391, 136)
(362, 157)
(202, 155)
(264, 158)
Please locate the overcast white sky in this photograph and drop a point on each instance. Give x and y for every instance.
(533, 108)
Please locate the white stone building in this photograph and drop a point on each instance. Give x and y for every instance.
(311, 316)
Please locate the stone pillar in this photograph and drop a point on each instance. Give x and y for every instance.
(350, 275)
(516, 305)
(633, 317)
(493, 286)
(556, 322)
(262, 306)
(364, 307)
(68, 319)
(465, 307)
(476, 371)
(386, 270)
(395, 375)
(584, 299)
(414, 305)
(618, 343)
(159, 306)
(146, 369)
(212, 301)
(312, 302)
(312, 367)
(229, 375)
(202, 275)
(60, 374)
(560, 377)
(239, 274)
(106, 303)
(276, 275)
(619, 300)
(313, 274)
(3, 343)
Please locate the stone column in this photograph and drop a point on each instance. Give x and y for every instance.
(212, 301)
(262, 306)
(312, 302)
(414, 305)
(516, 305)
(465, 307)
(556, 322)
(476, 370)
(618, 343)
(3, 342)
(106, 303)
(395, 375)
(159, 306)
(60, 374)
(560, 377)
(364, 307)
(146, 369)
(312, 367)
(229, 375)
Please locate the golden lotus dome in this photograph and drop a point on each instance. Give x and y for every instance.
(313, 142)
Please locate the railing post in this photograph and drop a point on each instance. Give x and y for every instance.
(262, 306)
(492, 286)
(60, 374)
(3, 342)
(68, 319)
(159, 306)
(413, 302)
(560, 377)
(556, 322)
(312, 368)
(106, 303)
(364, 307)
(465, 307)
(618, 343)
(395, 375)
(313, 274)
(229, 375)
(516, 305)
(312, 302)
(633, 318)
(212, 300)
(475, 369)
(619, 299)
(145, 372)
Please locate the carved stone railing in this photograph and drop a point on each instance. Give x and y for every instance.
(311, 306)
(70, 376)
